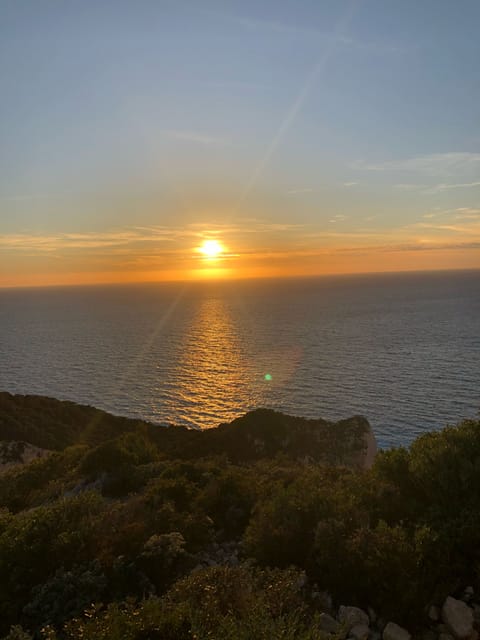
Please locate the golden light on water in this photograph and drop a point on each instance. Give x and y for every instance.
(211, 249)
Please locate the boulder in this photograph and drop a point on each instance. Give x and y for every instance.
(394, 632)
(351, 616)
(434, 613)
(328, 624)
(468, 594)
(372, 615)
(458, 617)
(360, 632)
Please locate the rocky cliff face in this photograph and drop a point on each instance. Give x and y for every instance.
(15, 453)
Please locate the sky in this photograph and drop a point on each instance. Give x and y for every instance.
(305, 136)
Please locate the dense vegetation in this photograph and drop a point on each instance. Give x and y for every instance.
(115, 536)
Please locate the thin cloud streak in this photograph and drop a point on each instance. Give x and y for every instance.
(196, 137)
(450, 163)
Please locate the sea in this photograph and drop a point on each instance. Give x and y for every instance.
(401, 349)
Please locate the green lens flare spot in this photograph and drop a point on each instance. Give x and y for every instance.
(268, 377)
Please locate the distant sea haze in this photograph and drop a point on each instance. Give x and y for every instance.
(401, 349)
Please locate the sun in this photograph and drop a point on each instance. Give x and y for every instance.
(211, 248)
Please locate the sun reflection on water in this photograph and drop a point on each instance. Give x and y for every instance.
(212, 367)
(218, 374)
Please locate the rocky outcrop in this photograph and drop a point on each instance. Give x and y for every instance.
(264, 433)
(394, 632)
(458, 617)
(352, 616)
(328, 624)
(13, 453)
(455, 620)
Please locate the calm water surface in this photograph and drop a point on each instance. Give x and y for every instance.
(403, 350)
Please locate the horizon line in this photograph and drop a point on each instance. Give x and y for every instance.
(200, 281)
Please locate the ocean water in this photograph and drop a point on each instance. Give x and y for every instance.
(402, 350)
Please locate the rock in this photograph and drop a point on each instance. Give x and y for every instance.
(476, 612)
(372, 615)
(360, 632)
(328, 624)
(323, 599)
(14, 453)
(302, 581)
(434, 613)
(428, 635)
(351, 616)
(381, 624)
(458, 617)
(394, 632)
(445, 636)
(468, 594)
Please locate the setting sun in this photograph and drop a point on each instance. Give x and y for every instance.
(211, 249)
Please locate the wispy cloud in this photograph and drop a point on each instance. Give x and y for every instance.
(445, 187)
(72, 241)
(26, 197)
(436, 188)
(436, 164)
(138, 237)
(292, 192)
(338, 218)
(276, 27)
(196, 137)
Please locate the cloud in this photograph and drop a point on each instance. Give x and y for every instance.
(68, 241)
(436, 164)
(138, 237)
(467, 213)
(275, 27)
(445, 187)
(194, 136)
(350, 184)
(296, 191)
(21, 197)
(339, 218)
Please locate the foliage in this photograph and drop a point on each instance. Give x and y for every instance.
(119, 523)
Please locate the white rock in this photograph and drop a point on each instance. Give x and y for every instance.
(458, 617)
(360, 632)
(351, 616)
(393, 632)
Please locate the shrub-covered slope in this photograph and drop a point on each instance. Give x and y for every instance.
(235, 538)
(53, 424)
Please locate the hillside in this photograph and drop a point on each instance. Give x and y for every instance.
(260, 528)
(53, 424)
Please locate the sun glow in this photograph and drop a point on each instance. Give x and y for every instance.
(211, 249)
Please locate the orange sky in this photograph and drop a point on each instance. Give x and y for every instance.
(146, 255)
